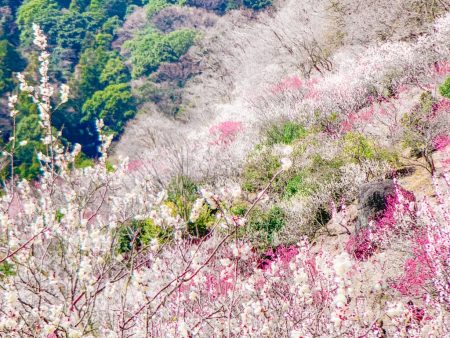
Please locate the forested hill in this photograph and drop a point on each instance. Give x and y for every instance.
(112, 67)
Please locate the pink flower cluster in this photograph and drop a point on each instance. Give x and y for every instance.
(226, 132)
(418, 269)
(364, 244)
(283, 254)
(293, 82)
(441, 68)
(441, 142)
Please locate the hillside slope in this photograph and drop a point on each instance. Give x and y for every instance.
(254, 67)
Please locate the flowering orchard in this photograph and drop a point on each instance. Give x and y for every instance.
(75, 262)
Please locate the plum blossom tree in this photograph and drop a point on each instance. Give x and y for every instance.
(64, 273)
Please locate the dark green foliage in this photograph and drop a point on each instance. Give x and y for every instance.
(114, 72)
(10, 61)
(100, 91)
(6, 22)
(114, 8)
(266, 223)
(115, 105)
(62, 63)
(150, 49)
(218, 6)
(129, 238)
(444, 89)
(91, 65)
(80, 33)
(111, 25)
(45, 13)
(13, 4)
(257, 4)
(79, 5)
(141, 233)
(285, 133)
(232, 4)
(92, 73)
(71, 29)
(166, 96)
(99, 11)
(26, 162)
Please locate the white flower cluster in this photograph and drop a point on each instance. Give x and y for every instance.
(196, 209)
(12, 100)
(342, 265)
(40, 39)
(210, 198)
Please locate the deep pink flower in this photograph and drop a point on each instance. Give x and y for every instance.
(441, 142)
(361, 246)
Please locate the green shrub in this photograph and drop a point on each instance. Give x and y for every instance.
(25, 157)
(6, 270)
(142, 232)
(81, 161)
(151, 231)
(444, 89)
(109, 167)
(58, 216)
(239, 209)
(182, 193)
(203, 223)
(421, 126)
(259, 170)
(298, 185)
(264, 224)
(357, 148)
(307, 181)
(114, 72)
(286, 133)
